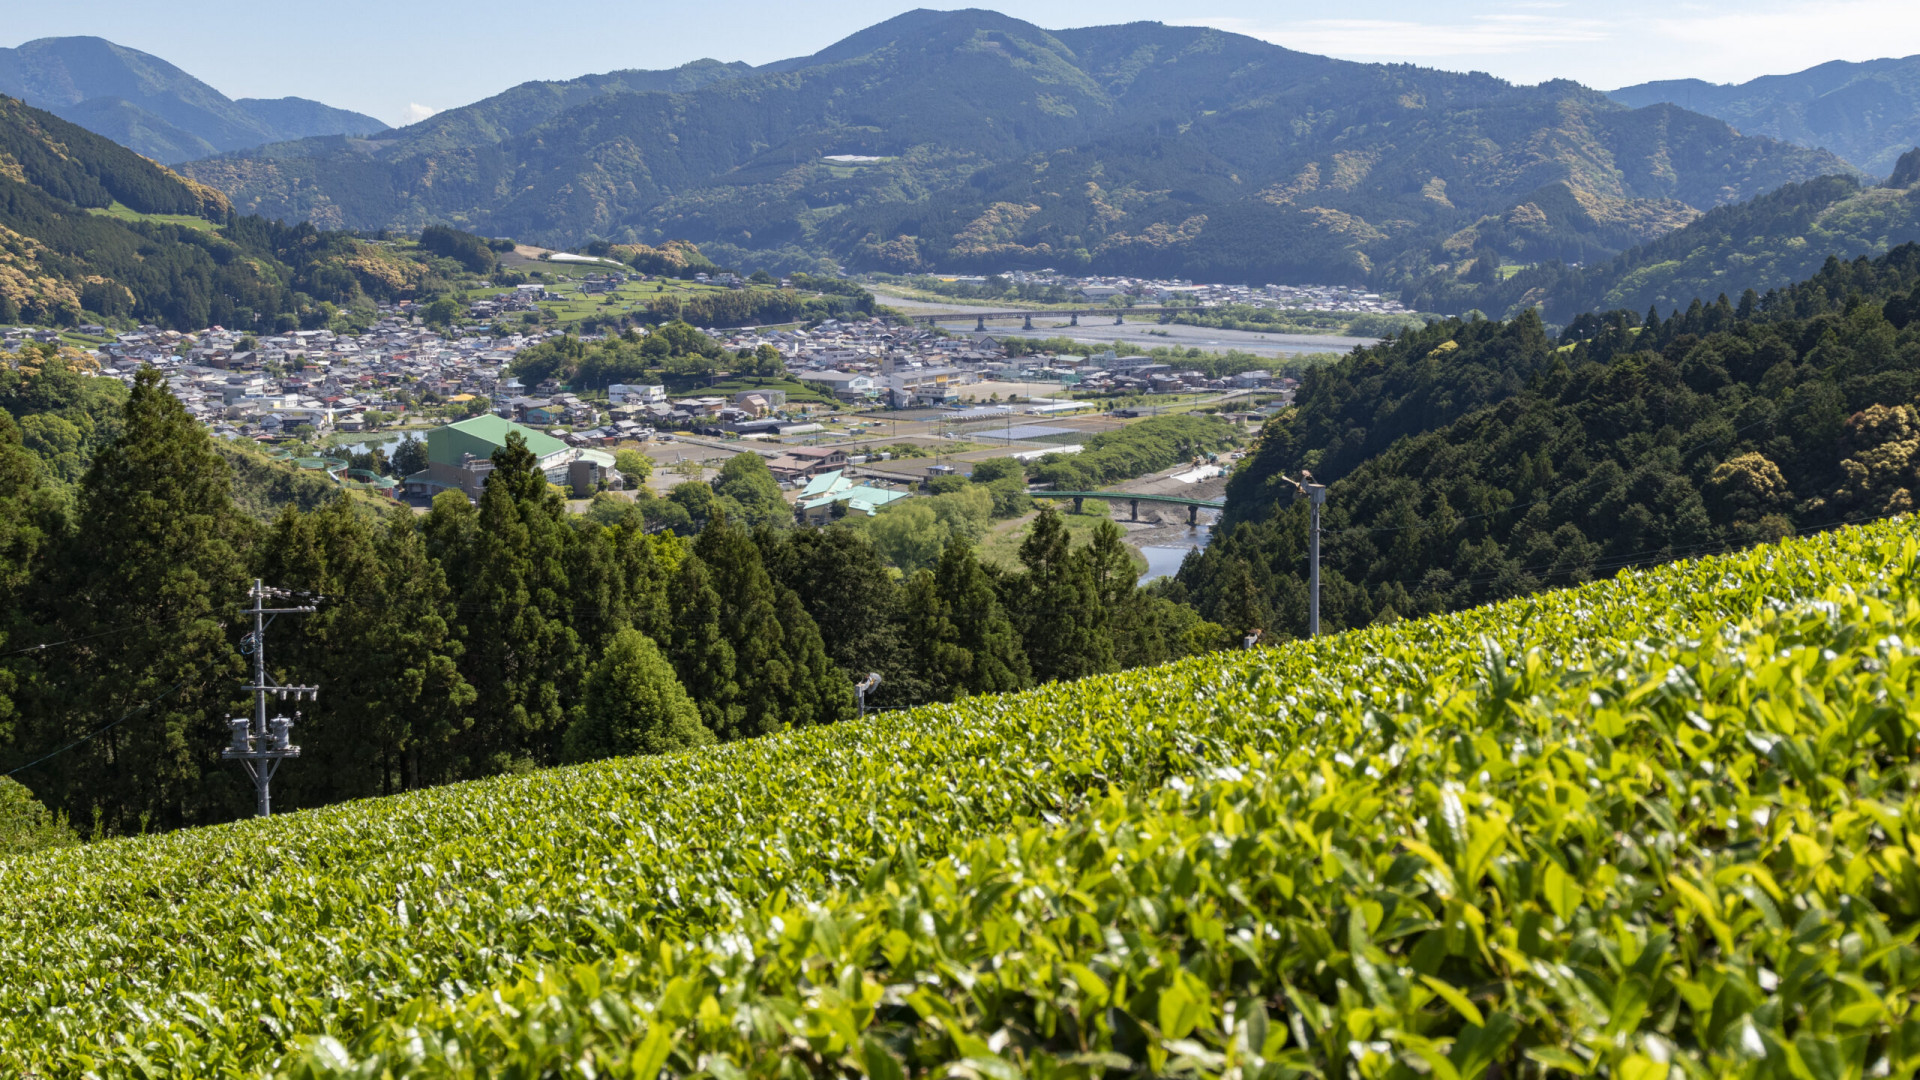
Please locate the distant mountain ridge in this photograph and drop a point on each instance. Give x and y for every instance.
(90, 230)
(1138, 148)
(153, 107)
(1766, 243)
(1868, 113)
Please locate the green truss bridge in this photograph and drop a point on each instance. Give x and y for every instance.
(1134, 499)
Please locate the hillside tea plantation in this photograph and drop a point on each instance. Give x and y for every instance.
(1656, 827)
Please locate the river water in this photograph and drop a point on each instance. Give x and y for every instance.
(1163, 560)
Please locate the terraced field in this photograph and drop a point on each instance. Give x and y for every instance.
(1663, 822)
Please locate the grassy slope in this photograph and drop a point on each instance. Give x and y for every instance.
(1598, 822)
(123, 212)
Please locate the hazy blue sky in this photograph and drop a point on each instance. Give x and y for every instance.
(399, 60)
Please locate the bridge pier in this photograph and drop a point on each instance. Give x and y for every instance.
(1119, 318)
(980, 325)
(1029, 325)
(1136, 508)
(1193, 516)
(1077, 500)
(1076, 318)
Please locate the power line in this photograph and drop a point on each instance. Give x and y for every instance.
(104, 728)
(99, 634)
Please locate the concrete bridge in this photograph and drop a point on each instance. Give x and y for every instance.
(1194, 506)
(980, 317)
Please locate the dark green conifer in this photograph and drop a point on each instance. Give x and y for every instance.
(1133, 621)
(781, 673)
(380, 647)
(700, 651)
(522, 656)
(849, 592)
(22, 541)
(159, 545)
(1062, 622)
(990, 656)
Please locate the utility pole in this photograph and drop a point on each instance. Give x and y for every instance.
(261, 744)
(1316, 498)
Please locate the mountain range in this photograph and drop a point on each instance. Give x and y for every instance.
(147, 104)
(971, 140)
(91, 230)
(1868, 113)
(1765, 243)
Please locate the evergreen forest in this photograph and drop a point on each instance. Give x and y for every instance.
(1475, 460)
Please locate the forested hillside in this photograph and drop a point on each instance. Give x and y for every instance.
(1766, 243)
(152, 107)
(89, 229)
(1478, 460)
(959, 140)
(1868, 113)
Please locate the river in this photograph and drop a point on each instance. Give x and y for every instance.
(1145, 335)
(1163, 560)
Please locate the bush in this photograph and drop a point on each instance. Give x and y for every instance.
(1661, 821)
(634, 705)
(27, 826)
(633, 465)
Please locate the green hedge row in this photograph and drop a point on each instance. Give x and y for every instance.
(1658, 822)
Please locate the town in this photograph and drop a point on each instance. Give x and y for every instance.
(1098, 289)
(324, 388)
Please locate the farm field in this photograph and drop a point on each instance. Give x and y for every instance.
(629, 298)
(1661, 821)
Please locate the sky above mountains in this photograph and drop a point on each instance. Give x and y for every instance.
(401, 62)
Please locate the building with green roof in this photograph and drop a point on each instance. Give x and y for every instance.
(816, 502)
(460, 455)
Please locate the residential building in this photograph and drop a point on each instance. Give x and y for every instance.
(459, 456)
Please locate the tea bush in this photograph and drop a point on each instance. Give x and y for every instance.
(1659, 822)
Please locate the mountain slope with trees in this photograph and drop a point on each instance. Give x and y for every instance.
(1475, 460)
(1868, 113)
(92, 230)
(153, 107)
(972, 140)
(1770, 242)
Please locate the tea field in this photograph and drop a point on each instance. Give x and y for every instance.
(1660, 826)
